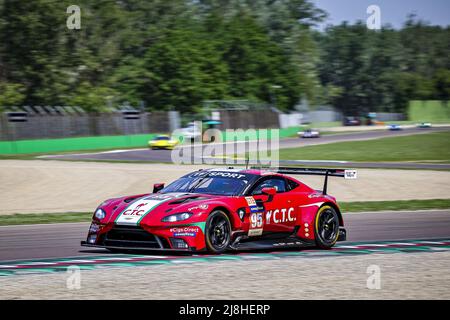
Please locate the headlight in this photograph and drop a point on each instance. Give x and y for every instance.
(177, 217)
(100, 214)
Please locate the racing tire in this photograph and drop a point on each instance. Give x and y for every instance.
(326, 228)
(217, 232)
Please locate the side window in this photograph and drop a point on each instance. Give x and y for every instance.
(277, 183)
(292, 184)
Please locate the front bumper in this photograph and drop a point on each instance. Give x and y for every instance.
(162, 146)
(130, 247)
(181, 238)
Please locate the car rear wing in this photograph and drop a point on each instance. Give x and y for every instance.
(344, 173)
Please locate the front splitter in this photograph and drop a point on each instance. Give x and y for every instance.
(85, 244)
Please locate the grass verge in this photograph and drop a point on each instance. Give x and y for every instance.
(40, 218)
(421, 147)
(395, 205)
(35, 156)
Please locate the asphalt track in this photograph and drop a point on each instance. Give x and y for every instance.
(65, 265)
(62, 240)
(164, 156)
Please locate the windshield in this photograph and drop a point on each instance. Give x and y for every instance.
(212, 182)
(162, 138)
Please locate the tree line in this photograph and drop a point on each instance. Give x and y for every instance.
(173, 55)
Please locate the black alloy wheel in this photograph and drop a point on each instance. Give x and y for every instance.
(327, 227)
(217, 232)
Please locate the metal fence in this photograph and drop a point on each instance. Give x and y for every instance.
(249, 119)
(81, 125)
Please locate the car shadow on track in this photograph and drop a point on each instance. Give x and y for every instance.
(196, 254)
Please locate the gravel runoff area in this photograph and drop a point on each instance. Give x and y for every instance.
(46, 186)
(403, 276)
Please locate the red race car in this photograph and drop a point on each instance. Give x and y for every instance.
(223, 209)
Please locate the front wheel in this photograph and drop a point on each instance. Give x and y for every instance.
(326, 227)
(217, 232)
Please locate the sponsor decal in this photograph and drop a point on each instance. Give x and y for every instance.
(287, 244)
(185, 231)
(200, 207)
(350, 174)
(255, 232)
(280, 215)
(253, 205)
(184, 234)
(250, 201)
(138, 209)
(231, 175)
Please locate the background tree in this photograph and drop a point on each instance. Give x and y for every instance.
(176, 54)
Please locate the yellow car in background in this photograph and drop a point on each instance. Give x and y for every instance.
(162, 142)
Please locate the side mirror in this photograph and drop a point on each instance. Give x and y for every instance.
(157, 187)
(270, 191)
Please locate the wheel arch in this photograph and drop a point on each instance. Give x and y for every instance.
(336, 208)
(227, 212)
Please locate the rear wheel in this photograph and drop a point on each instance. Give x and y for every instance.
(326, 227)
(217, 232)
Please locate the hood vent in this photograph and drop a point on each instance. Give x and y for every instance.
(128, 200)
(188, 199)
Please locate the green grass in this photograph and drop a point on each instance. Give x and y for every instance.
(421, 147)
(40, 218)
(325, 124)
(17, 157)
(395, 205)
(429, 111)
(34, 156)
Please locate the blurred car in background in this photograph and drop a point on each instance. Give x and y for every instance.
(394, 127)
(192, 132)
(351, 121)
(424, 125)
(309, 133)
(162, 142)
